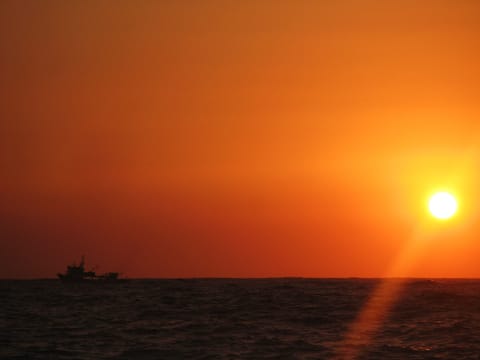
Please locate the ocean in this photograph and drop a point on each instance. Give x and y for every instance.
(291, 318)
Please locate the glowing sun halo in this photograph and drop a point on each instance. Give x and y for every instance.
(442, 205)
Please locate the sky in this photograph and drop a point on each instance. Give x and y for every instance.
(238, 138)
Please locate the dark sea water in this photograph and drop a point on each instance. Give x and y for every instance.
(234, 319)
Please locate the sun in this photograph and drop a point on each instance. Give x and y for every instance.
(442, 205)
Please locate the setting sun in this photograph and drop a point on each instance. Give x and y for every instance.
(442, 205)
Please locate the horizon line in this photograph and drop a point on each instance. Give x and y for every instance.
(273, 278)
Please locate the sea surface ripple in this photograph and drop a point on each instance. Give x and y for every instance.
(291, 318)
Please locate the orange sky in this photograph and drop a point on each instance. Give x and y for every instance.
(237, 138)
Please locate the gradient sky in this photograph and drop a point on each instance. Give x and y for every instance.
(237, 138)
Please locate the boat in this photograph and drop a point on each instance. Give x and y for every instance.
(77, 273)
